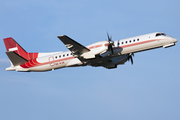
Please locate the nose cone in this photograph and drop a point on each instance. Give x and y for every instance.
(174, 40)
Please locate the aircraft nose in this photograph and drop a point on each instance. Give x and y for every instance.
(174, 40)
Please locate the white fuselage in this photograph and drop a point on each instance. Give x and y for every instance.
(51, 61)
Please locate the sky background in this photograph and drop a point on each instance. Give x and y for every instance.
(147, 90)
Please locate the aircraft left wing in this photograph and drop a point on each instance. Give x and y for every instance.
(73, 46)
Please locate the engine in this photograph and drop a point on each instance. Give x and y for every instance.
(96, 49)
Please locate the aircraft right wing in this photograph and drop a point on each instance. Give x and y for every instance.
(73, 46)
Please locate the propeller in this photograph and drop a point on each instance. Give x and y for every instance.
(130, 57)
(111, 43)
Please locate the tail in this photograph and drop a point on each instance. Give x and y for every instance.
(16, 53)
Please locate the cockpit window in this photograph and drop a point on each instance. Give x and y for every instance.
(161, 34)
(158, 34)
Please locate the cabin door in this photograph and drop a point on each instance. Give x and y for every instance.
(51, 61)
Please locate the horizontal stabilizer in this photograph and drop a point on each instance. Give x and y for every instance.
(15, 58)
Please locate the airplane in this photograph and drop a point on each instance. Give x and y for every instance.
(107, 54)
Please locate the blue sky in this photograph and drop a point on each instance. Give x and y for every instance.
(149, 89)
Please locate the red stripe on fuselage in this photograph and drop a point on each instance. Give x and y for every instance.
(98, 45)
(106, 44)
(34, 62)
(24, 66)
(91, 47)
(28, 64)
(32, 55)
(138, 43)
(31, 63)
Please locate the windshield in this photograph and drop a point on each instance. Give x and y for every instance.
(161, 34)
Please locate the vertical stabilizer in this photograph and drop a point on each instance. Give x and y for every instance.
(16, 53)
(12, 45)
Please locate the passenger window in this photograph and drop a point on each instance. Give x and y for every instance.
(71, 53)
(59, 56)
(134, 40)
(67, 54)
(126, 42)
(130, 41)
(63, 55)
(137, 39)
(122, 42)
(56, 57)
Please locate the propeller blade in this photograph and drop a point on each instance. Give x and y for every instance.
(130, 57)
(110, 48)
(131, 60)
(111, 43)
(109, 39)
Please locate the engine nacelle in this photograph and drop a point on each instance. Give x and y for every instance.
(96, 48)
(120, 59)
(115, 61)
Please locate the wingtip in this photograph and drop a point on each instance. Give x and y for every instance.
(61, 36)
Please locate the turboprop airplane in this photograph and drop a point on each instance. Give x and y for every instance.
(107, 54)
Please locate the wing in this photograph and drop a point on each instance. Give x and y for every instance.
(73, 46)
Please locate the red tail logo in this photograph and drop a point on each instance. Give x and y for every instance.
(12, 45)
